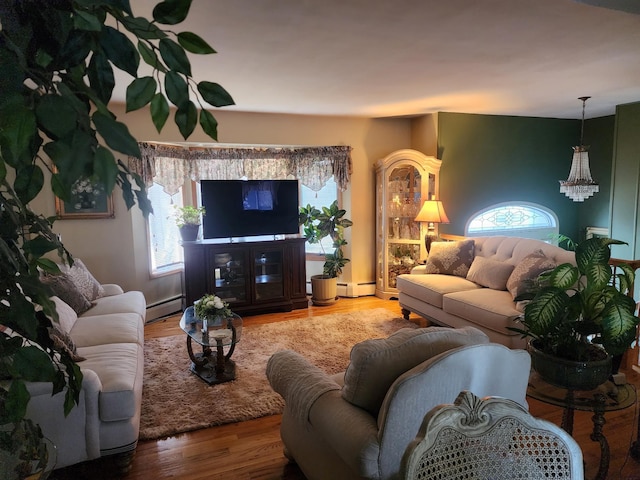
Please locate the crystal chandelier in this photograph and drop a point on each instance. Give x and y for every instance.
(579, 185)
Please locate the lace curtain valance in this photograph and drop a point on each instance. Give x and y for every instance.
(172, 165)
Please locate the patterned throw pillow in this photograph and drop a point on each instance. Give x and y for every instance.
(81, 276)
(529, 268)
(63, 287)
(62, 342)
(450, 258)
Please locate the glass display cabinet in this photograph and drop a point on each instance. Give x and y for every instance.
(404, 179)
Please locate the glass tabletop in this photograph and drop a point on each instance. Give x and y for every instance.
(616, 397)
(226, 331)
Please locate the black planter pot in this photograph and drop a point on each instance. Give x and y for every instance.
(189, 233)
(570, 374)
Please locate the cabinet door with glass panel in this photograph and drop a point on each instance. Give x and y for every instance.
(404, 180)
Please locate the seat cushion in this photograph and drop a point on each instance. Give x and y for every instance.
(488, 308)
(108, 328)
(375, 364)
(430, 288)
(128, 302)
(119, 367)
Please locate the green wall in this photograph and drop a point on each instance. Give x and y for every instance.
(488, 159)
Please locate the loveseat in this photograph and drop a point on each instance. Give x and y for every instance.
(474, 282)
(106, 335)
(358, 424)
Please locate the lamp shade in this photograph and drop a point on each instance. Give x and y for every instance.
(432, 211)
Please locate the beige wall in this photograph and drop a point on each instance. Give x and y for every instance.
(115, 249)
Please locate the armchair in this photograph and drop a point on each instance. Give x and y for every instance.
(359, 424)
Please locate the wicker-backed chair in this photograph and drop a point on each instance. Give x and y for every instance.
(491, 438)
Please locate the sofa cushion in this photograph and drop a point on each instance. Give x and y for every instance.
(375, 364)
(529, 268)
(119, 367)
(450, 258)
(63, 287)
(430, 288)
(83, 279)
(489, 309)
(490, 273)
(108, 328)
(67, 317)
(128, 302)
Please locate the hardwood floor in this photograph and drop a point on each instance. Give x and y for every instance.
(253, 450)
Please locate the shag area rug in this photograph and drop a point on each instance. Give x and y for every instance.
(174, 400)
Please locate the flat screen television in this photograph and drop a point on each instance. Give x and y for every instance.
(243, 208)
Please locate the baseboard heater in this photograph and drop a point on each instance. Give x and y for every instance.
(163, 308)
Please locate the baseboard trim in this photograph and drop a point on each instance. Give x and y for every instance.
(163, 309)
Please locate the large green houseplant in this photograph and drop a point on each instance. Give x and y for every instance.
(57, 59)
(582, 313)
(317, 225)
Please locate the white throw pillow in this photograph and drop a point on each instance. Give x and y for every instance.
(490, 273)
(67, 317)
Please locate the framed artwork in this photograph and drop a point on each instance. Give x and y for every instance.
(88, 200)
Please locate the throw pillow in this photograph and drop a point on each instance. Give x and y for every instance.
(63, 287)
(529, 268)
(375, 364)
(490, 273)
(66, 315)
(450, 258)
(62, 342)
(81, 276)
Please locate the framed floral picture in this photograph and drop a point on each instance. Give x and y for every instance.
(88, 200)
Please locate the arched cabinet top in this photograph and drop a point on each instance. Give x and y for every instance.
(423, 162)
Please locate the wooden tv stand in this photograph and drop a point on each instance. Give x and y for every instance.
(253, 276)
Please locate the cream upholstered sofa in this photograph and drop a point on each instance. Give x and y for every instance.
(473, 282)
(108, 339)
(358, 424)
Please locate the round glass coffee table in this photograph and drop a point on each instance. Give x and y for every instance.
(212, 365)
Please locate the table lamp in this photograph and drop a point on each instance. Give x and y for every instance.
(432, 212)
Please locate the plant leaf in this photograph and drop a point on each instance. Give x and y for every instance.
(176, 88)
(101, 78)
(83, 20)
(171, 12)
(209, 124)
(194, 43)
(55, 115)
(17, 129)
(105, 168)
(116, 135)
(140, 92)
(186, 118)
(28, 183)
(142, 28)
(214, 94)
(159, 111)
(120, 50)
(174, 56)
(149, 56)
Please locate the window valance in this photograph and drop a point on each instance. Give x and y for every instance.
(172, 165)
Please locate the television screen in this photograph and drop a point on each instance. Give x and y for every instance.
(243, 208)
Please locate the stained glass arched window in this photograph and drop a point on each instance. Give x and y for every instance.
(514, 219)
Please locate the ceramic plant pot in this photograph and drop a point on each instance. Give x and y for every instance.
(324, 290)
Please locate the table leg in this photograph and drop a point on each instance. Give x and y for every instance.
(198, 360)
(597, 436)
(567, 415)
(635, 446)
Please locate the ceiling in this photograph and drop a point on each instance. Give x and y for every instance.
(378, 58)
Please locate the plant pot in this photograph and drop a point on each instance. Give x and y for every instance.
(324, 290)
(189, 233)
(570, 374)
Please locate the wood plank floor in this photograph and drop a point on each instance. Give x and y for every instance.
(253, 450)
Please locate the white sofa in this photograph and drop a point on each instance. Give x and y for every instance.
(476, 285)
(358, 424)
(110, 337)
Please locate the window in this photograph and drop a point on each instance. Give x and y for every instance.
(514, 219)
(322, 198)
(164, 237)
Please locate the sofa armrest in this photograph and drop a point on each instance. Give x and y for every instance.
(419, 270)
(111, 289)
(76, 436)
(298, 381)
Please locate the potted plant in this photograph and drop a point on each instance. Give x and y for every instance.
(58, 61)
(578, 317)
(188, 219)
(317, 225)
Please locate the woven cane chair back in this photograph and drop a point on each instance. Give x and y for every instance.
(492, 438)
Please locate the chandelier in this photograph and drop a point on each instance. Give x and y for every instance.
(579, 185)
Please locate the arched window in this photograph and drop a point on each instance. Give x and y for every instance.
(514, 219)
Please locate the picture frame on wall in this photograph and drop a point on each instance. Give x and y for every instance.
(88, 200)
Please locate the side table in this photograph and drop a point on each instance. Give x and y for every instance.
(212, 369)
(598, 401)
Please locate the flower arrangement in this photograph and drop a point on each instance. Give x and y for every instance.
(211, 306)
